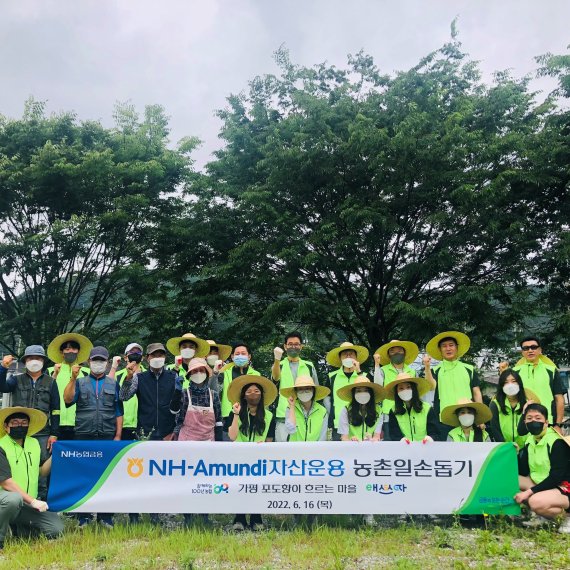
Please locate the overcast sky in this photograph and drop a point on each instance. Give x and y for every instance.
(189, 55)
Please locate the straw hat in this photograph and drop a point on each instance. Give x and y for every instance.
(421, 383)
(543, 358)
(463, 344)
(530, 395)
(269, 389)
(85, 346)
(333, 356)
(411, 349)
(224, 350)
(37, 419)
(482, 412)
(305, 382)
(345, 393)
(202, 348)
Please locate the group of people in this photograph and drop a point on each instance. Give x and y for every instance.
(212, 392)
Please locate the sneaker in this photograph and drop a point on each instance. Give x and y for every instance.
(564, 528)
(369, 520)
(536, 521)
(238, 527)
(258, 527)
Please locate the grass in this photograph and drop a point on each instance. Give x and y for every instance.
(328, 546)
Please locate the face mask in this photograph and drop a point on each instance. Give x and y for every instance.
(397, 358)
(134, 357)
(240, 360)
(466, 420)
(187, 353)
(198, 378)
(535, 428)
(293, 352)
(362, 397)
(347, 363)
(157, 363)
(70, 357)
(98, 366)
(34, 365)
(212, 359)
(511, 389)
(305, 395)
(253, 400)
(406, 395)
(19, 432)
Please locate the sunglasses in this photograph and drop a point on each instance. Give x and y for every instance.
(530, 347)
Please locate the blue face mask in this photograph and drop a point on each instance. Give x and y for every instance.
(240, 360)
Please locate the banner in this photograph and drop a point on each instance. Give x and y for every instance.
(325, 478)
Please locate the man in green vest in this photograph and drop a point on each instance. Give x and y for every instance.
(67, 350)
(455, 380)
(185, 348)
(540, 375)
(19, 505)
(35, 389)
(284, 372)
(346, 359)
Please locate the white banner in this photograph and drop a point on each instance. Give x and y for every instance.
(327, 477)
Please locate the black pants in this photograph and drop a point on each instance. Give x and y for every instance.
(66, 433)
(253, 520)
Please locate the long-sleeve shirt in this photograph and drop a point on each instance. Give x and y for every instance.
(291, 428)
(10, 385)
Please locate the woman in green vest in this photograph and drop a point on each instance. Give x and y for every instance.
(465, 417)
(507, 408)
(306, 419)
(411, 419)
(252, 422)
(544, 470)
(347, 359)
(361, 420)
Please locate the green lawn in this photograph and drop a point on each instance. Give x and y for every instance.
(328, 545)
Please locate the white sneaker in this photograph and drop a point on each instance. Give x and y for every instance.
(238, 527)
(536, 521)
(369, 520)
(564, 528)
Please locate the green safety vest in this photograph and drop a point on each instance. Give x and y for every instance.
(255, 437)
(66, 415)
(361, 430)
(457, 434)
(453, 383)
(537, 378)
(539, 454)
(308, 427)
(338, 379)
(287, 381)
(228, 377)
(24, 462)
(183, 373)
(131, 406)
(390, 373)
(509, 423)
(414, 424)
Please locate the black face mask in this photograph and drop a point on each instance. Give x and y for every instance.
(397, 358)
(19, 432)
(70, 357)
(535, 428)
(134, 357)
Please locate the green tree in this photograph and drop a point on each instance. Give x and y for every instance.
(80, 216)
(355, 204)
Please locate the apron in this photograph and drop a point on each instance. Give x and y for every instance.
(199, 421)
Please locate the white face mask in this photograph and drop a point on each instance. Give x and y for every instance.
(466, 420)
(187, 353)
(511, 389)
(406, 395)
(34, 365)
(157, 363)
(212, 359)
(348, 362)
(362, 397)
(305, 395)
(98, 366)
(198, 377)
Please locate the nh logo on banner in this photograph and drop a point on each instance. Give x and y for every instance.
(135, 467)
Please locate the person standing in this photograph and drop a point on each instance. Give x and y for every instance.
(185, 348)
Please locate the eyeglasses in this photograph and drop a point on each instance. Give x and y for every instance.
(530, 347)
(293, 345)
(19, 423)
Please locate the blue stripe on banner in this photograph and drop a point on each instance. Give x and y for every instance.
(88, 460)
